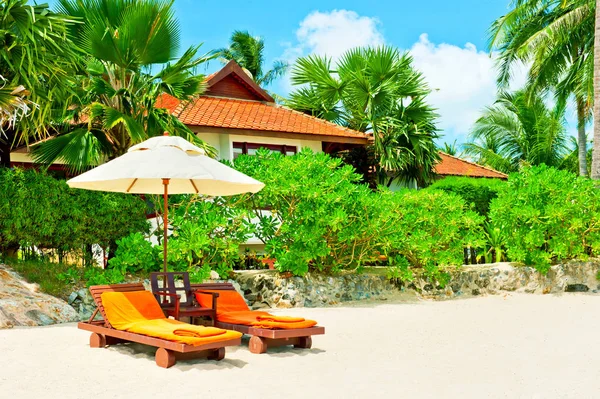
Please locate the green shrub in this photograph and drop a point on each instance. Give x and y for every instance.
(313, 215)
(548, 216)
(134, 254)
(478, 193)
(431, 229)
(207, 235)
(42, 212)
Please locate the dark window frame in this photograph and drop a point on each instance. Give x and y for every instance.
(281, 148)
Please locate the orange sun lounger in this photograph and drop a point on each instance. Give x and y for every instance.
(132, 314)
(267, 330)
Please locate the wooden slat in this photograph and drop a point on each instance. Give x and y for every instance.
(272, 334)
(156, 342)
(213, 286)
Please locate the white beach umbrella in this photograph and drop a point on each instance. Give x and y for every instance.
(166, 165)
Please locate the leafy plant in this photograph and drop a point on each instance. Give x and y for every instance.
(134, 253)
(478, 193)
(548, 216)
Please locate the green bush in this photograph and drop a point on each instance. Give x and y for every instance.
(548, 216)
(431, 229)
(207, 235)
(313, 215)
(134, 254)
(478, 193)
(42, 212)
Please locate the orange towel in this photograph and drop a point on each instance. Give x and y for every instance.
(139, 312)
(231, 308)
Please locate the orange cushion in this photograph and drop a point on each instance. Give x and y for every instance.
(228, 301)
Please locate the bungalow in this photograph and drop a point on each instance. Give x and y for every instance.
(236, 116)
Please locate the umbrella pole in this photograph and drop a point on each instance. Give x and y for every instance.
(165, 222)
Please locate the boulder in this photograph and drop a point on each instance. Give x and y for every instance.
(21, 304)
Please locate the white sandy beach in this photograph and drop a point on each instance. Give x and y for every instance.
(518, 346)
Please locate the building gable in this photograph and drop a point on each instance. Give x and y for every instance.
(233, 82)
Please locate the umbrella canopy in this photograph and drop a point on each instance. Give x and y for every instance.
(142, 170)
(166, 165)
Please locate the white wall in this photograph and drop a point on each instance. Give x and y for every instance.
(223, 142)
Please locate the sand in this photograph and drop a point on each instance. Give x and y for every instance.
(517, 346)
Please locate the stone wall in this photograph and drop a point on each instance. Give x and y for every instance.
(266, 288)
(21, 304)
(505, 277)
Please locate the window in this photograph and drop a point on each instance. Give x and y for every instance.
(251, 148)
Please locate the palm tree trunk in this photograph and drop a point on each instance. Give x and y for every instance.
(581, 137)
(596, 154)
(6, 141)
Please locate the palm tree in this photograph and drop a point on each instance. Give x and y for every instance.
(518, 130)
(450, 149)
(248, 52)
(596, 74)
(36, 58)
(374, 90)
(554, 36)
(116, 88)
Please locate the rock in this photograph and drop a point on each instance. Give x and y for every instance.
(214, 275)
(577, 288)
(72, 298)
(22, 305)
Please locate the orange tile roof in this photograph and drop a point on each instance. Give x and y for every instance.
(251, 115)
(453, 166)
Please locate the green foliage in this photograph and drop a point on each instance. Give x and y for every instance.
(548, 216)
(97, 276)
(134, 254)
(207, 235)
(313, 215)
(57, 279)
(117, 83)
(368, 90)
(519, 130)
(431, 229)
(248, 52)
(478, 193)
(42, 212)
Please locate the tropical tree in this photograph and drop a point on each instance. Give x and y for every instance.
(377, 91)
(450, 148)
(518, 130)
(554, 37)
(36, 58)
(116, 87)
(596, 74)
(248, 52)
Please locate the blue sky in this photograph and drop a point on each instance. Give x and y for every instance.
(446, 38)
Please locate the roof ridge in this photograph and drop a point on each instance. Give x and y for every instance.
(473, 163)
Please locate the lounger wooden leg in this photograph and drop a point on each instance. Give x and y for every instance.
(97, 340)
(304, 343)
(165, 358)
(218, 354)
(257, 344)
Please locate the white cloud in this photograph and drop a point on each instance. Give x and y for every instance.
(463, 80)
(333, 33)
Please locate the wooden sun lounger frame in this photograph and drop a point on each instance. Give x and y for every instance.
(168, 352)
(261, 338)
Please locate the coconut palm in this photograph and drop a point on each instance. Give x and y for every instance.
(596, 74)
(116, 87)
(374, 90)
(248, 52)
(519, 130)
(36, 58)
(554, 37)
